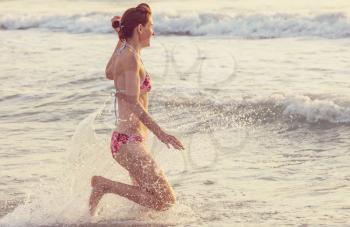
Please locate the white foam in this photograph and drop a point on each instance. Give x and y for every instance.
(311, 109)
(65, 201)
(315, 110)
(299, 107)
(326, 25)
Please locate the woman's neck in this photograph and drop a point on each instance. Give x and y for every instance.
(134, 45)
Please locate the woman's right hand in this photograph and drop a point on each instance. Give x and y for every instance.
(169, 139)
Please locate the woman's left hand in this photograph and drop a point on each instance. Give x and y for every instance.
(169, 139)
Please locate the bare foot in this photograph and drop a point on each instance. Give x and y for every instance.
(98, 190)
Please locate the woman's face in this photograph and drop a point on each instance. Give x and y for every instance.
(146, 33)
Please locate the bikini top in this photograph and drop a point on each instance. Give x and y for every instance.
(146, 84)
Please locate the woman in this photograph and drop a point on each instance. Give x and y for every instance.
(150, 187)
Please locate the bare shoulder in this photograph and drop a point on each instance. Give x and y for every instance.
(130, 61)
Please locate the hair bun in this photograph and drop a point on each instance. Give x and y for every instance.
(116, 24)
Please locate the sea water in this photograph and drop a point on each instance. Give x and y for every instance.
(257, 92)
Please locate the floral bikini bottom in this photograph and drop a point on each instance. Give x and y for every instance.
(120, 138)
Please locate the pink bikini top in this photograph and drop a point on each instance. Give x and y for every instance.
(146, 84)
(144, 87)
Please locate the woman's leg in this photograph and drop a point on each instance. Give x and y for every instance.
(153, 189)
(103, 185)
(133, 180)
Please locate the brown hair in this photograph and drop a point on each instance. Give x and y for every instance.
(131, 19)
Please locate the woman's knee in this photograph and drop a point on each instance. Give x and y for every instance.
(171, 199)
(166, 204)
(166, 199)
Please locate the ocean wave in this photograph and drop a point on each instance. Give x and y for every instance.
(255, 26)
(207, 112)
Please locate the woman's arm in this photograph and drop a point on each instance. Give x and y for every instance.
(131, 96)
(108, 70)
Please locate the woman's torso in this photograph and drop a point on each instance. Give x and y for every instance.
(127, 122)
